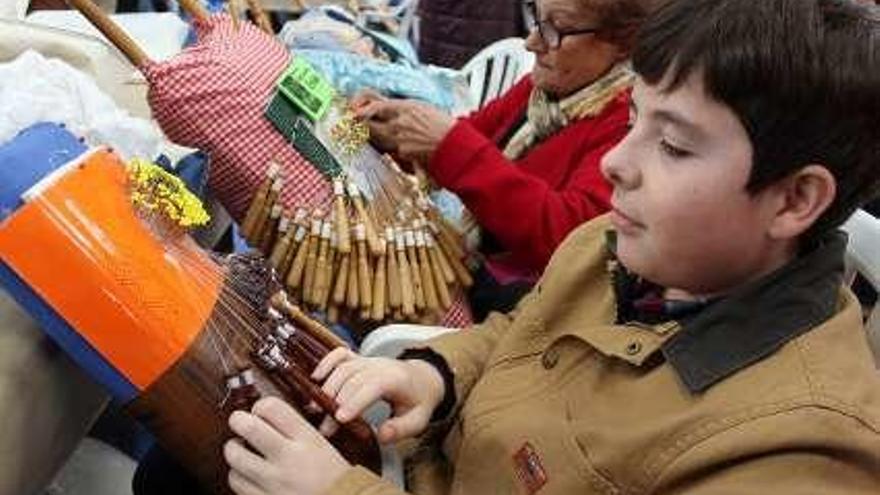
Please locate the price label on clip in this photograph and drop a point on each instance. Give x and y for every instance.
(306, 88)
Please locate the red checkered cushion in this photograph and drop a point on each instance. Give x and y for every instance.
(212, 96)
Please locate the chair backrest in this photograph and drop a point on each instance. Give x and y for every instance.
(409, 22)
(863, 256)
(496, 68)
(398, 17)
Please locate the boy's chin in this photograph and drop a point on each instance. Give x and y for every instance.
(642, 262)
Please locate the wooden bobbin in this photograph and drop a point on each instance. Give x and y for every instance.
(312, 258)
(341, 216)
(364, 218)
(415, 270)
(352, 294)
(365, 287)
(393, 276)
(439, 278)
(286, 231)
(379, 287)
(264, 213)
(298, 231)
(259, 200)
(432, 302)
(298, 264)
(269, 231)
(321, 284)
(407, 298)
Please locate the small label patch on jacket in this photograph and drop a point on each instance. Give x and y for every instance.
(529, 468)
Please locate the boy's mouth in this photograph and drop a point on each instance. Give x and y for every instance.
(623, 222)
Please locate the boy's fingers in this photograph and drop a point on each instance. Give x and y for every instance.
(410, 424)
(313, 408)
(355, 398)
(240, 459)
(333, 359)
(284, 419)
(243, 486)
(340, 376)
(262, 436)
(328, 427)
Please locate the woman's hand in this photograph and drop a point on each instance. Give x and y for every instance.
(413, 388)
(409, 128)
(286, 455)
(364, 98)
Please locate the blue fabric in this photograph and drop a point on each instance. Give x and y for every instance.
(32, 154)
(192, 170)
(328, 46)
(350, 73)
(35, 152)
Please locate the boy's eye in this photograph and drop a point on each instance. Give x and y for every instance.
(672, 150)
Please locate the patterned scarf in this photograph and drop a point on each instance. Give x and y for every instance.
(546, 117)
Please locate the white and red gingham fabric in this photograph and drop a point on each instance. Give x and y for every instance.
(213, 96)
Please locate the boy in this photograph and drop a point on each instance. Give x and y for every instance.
(699, 338)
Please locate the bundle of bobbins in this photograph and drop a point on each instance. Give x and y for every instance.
(345, 264)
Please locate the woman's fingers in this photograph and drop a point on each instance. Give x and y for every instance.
(365, 97)
(381, 110)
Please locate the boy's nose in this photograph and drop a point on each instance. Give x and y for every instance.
(618, 167)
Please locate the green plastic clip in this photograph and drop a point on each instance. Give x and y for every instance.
(306, 88)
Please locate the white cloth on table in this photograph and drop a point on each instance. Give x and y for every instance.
(93, 56)
(37, 89)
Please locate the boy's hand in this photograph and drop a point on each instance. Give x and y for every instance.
(413, 388)
(287, 455)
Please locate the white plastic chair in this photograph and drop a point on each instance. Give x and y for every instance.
(496, 68)
(391, 340)
(400, 19)
(863, 256)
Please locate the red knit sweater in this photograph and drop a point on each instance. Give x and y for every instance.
(529, 205)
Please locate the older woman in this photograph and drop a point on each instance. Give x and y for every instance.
(527, 165)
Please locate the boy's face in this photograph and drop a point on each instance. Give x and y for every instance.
(680, 206)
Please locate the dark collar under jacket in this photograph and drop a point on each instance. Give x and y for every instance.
(719, 337)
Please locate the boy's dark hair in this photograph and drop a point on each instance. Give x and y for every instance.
(803, 76)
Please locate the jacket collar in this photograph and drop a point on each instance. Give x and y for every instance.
(726, 335)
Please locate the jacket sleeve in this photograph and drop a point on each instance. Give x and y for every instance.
(467, 352)
(806, 450)
(361, 481)
(493, 188)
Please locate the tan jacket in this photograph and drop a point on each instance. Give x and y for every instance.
(557, 399)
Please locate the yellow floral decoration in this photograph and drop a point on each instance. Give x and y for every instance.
(154, 190)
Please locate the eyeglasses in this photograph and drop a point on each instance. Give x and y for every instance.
(549, 34)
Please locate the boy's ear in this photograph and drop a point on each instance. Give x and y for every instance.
(803, 198)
